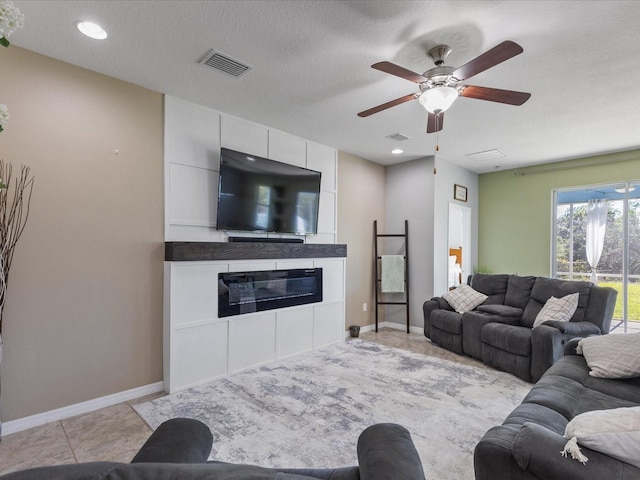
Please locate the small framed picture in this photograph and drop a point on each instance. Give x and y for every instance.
(460, 193)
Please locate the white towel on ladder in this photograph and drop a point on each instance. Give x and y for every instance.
(392, 278)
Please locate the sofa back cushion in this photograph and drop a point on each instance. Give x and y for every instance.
(519, 291)
(493, 286)
(545, 288)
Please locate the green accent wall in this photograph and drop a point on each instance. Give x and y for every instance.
(515, 208)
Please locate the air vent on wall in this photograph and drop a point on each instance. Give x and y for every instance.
(225, 64)
(398, 137)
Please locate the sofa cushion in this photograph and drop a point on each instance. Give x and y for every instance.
(557, 309)
(464, 298)
(539, 414)
(447, 321)
(501, 310)
(492, 285)
(626, 389)
(508, 338)
(612, 356)
(614, 432)
(544, 288)
(518, 291)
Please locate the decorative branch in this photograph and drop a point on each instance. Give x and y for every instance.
(15, 201)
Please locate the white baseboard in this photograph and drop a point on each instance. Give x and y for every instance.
(400, 326)
(78, 409)
(396, 326)
(58, 414)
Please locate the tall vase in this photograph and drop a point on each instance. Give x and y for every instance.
(0, 388)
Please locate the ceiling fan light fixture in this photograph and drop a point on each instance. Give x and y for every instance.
(438, 99)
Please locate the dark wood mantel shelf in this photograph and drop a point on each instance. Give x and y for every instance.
(194, 251)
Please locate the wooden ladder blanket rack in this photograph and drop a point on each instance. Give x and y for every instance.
(378, 268)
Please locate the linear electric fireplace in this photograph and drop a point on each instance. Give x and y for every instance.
(246, 292)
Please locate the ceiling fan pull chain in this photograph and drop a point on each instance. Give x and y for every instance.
(435, 155)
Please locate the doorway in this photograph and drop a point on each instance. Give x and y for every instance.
(459, 237)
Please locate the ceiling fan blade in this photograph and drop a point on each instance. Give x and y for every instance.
(398, 71)
(390, 104)
(488, 59)
(435, 122)
(510, 97)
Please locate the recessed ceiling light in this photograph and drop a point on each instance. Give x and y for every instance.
(92, 30)
(397, 151)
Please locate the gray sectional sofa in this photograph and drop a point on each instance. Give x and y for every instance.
(527, 445)
(499, 332)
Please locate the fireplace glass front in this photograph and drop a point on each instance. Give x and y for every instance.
(246, 292)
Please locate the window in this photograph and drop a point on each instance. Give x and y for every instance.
(596, 237)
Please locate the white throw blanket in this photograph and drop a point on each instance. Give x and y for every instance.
(392, 279)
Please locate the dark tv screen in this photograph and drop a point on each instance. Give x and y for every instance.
(256, 194)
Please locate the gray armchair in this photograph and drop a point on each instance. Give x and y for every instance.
(179, 449)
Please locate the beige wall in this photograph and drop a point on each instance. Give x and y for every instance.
(83, 318)
(361, 201)
(515, 211)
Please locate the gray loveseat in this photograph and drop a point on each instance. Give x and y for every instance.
(527, 445)
(179, 449)
(499, 332)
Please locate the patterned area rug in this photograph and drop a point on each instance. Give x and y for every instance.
(308, 410)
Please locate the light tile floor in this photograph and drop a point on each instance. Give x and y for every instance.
(116, 433)
(110, 434)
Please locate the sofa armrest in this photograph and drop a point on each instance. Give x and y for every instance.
(385, 451)
(436, 303)
(571, 346)
(179, 440)
(492, 457)
(441, 303)
(548, 340)
(537, 450)
(602, 303)
(576, 329)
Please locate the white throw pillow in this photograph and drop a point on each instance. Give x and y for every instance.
(614, 432)
(464, 298)
(612, 356)
(558, 309)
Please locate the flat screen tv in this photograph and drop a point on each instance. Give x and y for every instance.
(256, 194)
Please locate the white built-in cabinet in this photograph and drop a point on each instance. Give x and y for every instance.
(199, 346)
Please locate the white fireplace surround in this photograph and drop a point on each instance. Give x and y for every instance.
(198, 346)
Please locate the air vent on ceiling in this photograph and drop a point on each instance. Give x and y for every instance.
(398, 137)
(225, 64)
(486, 155)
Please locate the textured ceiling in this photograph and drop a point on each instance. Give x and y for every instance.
(311, 68)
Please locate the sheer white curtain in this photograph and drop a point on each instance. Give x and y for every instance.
(596, 226)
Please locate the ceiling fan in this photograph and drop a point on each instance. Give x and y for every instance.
(441, 85)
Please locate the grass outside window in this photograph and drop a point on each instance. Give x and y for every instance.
(633, 301)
